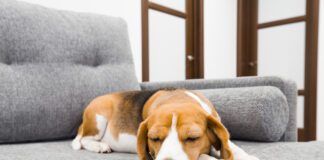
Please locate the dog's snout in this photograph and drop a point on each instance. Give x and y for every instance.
(168, 159)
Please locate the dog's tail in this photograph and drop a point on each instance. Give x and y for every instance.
(76, 143)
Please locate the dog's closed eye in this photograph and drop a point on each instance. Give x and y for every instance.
(156, 139)
(191, 133)
(191, 139)
(157, 134)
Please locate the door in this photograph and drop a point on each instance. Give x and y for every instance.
(172, 40)
(274, 39)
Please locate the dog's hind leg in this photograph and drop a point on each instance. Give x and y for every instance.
(93, 142)
(91, 131)
(76, 143)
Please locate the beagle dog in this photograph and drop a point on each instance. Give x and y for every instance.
(167, 124)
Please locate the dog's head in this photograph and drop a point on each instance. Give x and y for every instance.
(181, 133)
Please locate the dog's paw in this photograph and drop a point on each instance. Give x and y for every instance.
(206, 157)
(104, 148)
(76, 145)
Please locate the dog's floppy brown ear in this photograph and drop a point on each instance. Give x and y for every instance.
(219, 137)
(142, 145)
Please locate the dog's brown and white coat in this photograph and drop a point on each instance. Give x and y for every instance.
(162, 125)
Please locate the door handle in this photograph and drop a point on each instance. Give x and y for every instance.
(253, 64)
(190, 57)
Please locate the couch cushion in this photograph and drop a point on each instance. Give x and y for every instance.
(52, 63)
(251, 113)
(62, 150)
(284, 150)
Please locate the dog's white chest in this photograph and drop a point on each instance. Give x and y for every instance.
(124, 143)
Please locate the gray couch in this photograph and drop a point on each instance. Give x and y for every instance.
(52, 63)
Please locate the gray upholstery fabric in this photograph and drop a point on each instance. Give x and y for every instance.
(288, 88)
(284, 150)
(61, 150)
(251, 113)
(52, 63)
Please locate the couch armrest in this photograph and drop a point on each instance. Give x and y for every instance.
(287, 87)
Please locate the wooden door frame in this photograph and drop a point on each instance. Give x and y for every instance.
(247, 35)
(311, 49)
(194, 36)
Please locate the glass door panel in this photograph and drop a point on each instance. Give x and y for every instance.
(179, 5)
(220, 38)
(166, 47)
(284, 56)
(300, 112)
(271, 10)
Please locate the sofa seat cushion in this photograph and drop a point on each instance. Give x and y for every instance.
(52, 64)
(284, 150)
(62, 150)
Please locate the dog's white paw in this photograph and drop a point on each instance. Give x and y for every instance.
(76, 145)
(104, 148)
(99, 148)
(206, 157)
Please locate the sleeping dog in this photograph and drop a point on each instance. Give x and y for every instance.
(168, 124)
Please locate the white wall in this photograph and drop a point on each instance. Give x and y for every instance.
(320, 96)
(130, 10)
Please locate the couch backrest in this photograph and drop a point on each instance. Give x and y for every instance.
(52, 63)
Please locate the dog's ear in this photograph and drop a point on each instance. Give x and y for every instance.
(219, 137)
(142, 144)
